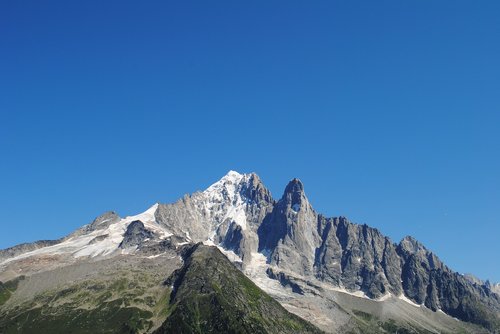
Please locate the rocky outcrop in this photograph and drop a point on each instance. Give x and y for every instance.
(357, 257)
(290, 234)
(136, 235)
(427, 281)
(103, 221)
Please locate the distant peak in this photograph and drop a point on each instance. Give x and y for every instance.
(233, 177)
(104, 220)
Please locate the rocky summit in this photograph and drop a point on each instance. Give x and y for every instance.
(232, 259)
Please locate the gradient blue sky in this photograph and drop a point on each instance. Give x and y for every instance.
(388, 111)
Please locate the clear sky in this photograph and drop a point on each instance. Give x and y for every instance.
(388, 111)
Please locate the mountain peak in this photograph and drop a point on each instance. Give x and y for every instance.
(255, 190)
(294, 186)
(294, 195)
(233, 173)
(412, 245)
(234, 184)
(232, 176)
(229, 181)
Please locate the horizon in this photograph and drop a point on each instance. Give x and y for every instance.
(387, 112)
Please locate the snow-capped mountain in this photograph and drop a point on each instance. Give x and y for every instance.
(306, 261)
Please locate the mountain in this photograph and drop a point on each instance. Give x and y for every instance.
(340, 276)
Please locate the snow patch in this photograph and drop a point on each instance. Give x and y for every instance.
(154, 256)
(406, 299)
(223, 202)
(112, 236)
(442, 312)
(116, 231)
(256, 268)
(384, 297)
(230, 255)
(359, 294)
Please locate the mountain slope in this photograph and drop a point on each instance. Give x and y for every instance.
(118, 295)
(212, 296)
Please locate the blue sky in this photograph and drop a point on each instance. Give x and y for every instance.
(388, 111)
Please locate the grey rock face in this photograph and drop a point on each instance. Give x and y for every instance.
(136, 235)
(100, 223)
(290, 233)
(185, 218)
(285, 280)
(256, 192)
(333, 250)
(427, 281)
(474, 280)
(360, 258)
(457, 297)
(228, 213)
(103, 221)
(357, 257)
(232, 239)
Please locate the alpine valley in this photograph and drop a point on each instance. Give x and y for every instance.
(232, 259)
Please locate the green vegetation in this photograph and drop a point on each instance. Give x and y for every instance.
(472, 310)
(126, 302)
(213, 296)
(369, 324)
(362, 315)
(7, 288)
(109, 317)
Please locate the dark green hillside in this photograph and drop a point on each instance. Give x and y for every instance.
(212, 296)
(109, 317)
(125, 303)
(7, 288)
